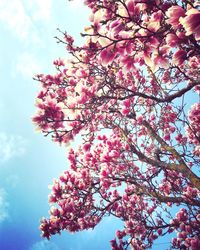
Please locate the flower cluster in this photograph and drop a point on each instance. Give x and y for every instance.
(193, 130)
(125, 92)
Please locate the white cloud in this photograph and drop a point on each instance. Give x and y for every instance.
(28, 65)
(44, 245)
(14, 15)
(75, 3)
(11, 146)
(3, 205)
(40, 9)
(21, 17)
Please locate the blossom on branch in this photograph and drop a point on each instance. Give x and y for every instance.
(127, 92)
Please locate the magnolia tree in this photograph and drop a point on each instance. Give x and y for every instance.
(131, 92)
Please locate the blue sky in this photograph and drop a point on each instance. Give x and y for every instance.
(28, 161)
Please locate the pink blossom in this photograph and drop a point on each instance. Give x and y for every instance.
(107, 56)
(131, 7)
(195, 244)
(191, 23)
(140, 119)
(172, 40)
(127, 103)
(124, 92)
(116, 27)
(197, 150)
(179, 57)
(86, 146)
(155, 20)
(59, 62)
(161, 61)
(128, 62)
(167, 137)
(126, 111)
(174, 13)
(193, 132)
(120, 234)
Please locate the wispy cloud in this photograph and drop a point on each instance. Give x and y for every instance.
(21, 17)
(13, 14)
(44, 245)
(75, 4)
(40, 10)
(27, 65)
(11, 146)
(3, 205)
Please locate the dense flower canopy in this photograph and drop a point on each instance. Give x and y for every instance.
(131, 92)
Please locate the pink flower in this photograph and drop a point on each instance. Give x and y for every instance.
(128, 62)
(197, 150)
(131, 7)
(140, 119)
(179, 57)
(191, 23)
(172, 40)
(174, 13)
(104, 173)
(167, 137)
(116, 27)
(195, 244)
(120, 234)
(155, 20)
(106, 56)
(86, 146)
(126, 111)
(194, 118)
(161, 61)
(127, 103)
(59, 62)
